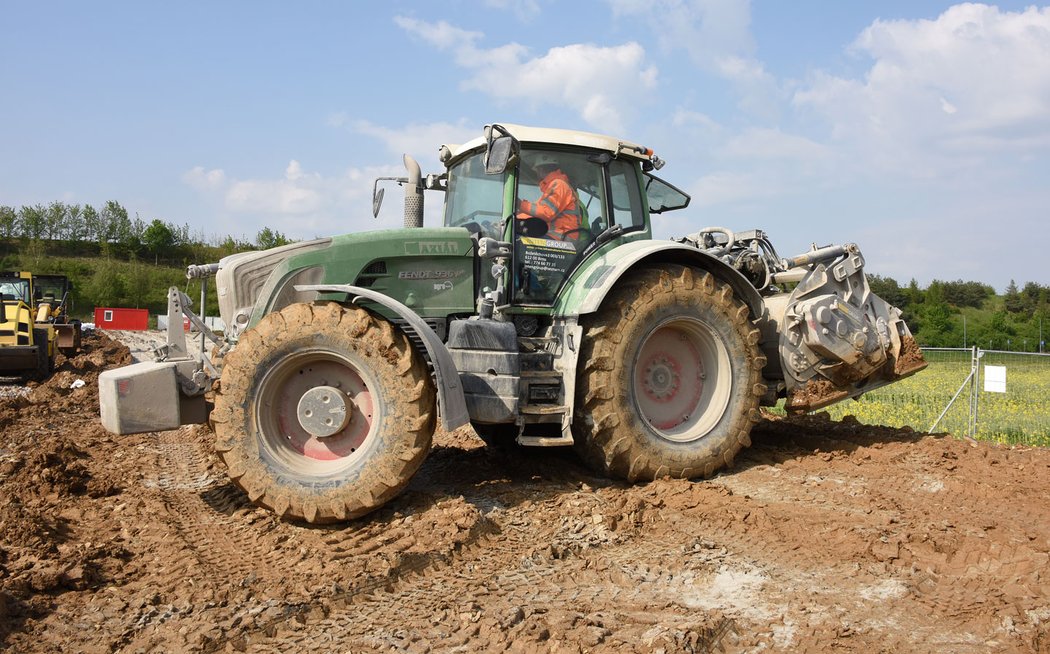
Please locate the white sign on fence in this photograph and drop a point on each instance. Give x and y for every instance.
(995, 379)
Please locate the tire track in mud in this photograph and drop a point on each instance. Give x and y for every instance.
(399, 545)
(557, 586)
(207, 513)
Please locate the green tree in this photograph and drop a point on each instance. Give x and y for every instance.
(107, 287)
(913, 293)
(1012, 301)
(967, 294)
(93, 228)
(54, 220)
(158, 238)
(31, 221)
(888, 289)
(74, 227)
(269, 238)
(138, 284)
(229, 246)
(8, 222)
(113, 222)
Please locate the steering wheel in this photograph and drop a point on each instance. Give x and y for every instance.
(487, 227)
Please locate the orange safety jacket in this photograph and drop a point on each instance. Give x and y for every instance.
(557, 206)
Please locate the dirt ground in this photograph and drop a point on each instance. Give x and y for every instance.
(826, 536)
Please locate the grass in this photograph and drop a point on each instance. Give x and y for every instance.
(1021, 416)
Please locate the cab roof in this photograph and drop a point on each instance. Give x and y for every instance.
(552, 136)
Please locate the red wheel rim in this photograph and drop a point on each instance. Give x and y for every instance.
(678, 379)
(280, 425)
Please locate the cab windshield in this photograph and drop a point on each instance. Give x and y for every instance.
(15, 289)
(474, 199)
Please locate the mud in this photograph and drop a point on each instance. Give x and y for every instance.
(826, 536)
(815, 393)
(910, 359)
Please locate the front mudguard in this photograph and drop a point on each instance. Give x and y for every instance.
(586, 289)
(452, 405)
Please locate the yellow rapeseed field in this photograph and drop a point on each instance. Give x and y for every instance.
(1019, 416)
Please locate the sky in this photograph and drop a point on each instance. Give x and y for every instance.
(919, 130)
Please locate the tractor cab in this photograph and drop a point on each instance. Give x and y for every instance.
(553, 197)
(16, 287)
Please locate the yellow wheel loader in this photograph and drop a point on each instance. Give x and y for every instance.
(34, 324)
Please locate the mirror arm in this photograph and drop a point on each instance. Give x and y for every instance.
(377, 193)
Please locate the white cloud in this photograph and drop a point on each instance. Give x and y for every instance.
(717, 37)
(686, 117)
(604, 85)
(201, 179)
(302, 203)
(442, 34)
(709, 30)
(943, 95)
(772, 144)
(294, 194)
(418, 138)
(727, 188)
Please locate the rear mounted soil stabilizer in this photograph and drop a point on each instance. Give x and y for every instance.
(838, 339)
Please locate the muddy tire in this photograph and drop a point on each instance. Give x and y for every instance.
(45, 363)
(670, 377)
(323, 413)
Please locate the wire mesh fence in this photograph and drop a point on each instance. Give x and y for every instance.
(1021, 415)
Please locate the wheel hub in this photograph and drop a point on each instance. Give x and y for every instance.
(662, 378)
(669, 378)
(324, 411)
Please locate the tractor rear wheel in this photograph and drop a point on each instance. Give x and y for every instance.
(670, 377)
(324, 413)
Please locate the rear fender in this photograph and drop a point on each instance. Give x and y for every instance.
(451, 402)
(591, 282)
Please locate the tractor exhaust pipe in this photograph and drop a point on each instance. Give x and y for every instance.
(413, 194)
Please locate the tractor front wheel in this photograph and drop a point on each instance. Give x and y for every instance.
(670, 377)
(324, 413)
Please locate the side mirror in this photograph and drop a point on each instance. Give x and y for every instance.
(377, 200)
(498, 156)
(501, 150)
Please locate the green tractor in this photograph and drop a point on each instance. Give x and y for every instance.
(650, 357)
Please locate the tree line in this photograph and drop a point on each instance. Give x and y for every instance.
(964, 314)
(33, 237)
(84, 230)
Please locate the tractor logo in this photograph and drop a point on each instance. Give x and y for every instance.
(443, 286)
(431, 247)
(426, 275)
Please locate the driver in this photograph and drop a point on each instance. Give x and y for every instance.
(559, 205)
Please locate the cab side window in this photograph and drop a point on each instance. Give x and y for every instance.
(626, 197)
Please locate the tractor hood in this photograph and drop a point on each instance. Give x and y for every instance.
(242, 276)
(430, 269)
